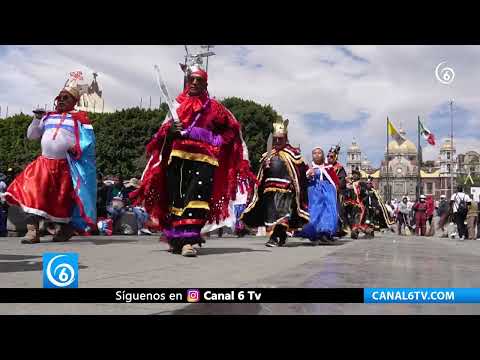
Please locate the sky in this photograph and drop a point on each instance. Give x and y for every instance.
(331, 94)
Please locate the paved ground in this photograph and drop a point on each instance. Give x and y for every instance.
(129, 261)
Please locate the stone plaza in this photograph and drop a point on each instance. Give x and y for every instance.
(388, 260)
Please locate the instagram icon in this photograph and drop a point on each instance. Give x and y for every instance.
(193, 295)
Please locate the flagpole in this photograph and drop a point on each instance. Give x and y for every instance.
(387, 195)
(419, 160)
(452, 164)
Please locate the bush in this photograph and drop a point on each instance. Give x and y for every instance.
(122, 136)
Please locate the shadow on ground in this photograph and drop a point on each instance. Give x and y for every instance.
(297, 244)
(100, 241)
(218, 251)
(18, 257)
(22, 266)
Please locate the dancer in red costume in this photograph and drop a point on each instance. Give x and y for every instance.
(195, 167)
(57, 186)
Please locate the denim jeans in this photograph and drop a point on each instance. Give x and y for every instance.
(115, 213)
(141, 217)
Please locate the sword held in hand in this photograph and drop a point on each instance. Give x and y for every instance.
(164, 90)
(173, 113)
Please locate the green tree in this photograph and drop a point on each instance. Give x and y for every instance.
(256, 121)
(15, 149)
(122, 136)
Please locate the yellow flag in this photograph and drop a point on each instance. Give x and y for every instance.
(393, 132)
(391, 129)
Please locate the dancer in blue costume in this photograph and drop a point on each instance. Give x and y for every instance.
(322, 200)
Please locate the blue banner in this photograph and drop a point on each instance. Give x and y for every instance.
(422, 295)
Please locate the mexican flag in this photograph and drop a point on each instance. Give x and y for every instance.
(427, 134)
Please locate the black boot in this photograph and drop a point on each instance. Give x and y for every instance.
(330, 239)
(176, 246)
(63, 233)
(274, 238)
(272, 242)
(282, 234)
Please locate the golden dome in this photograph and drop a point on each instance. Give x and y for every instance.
(447, 145)
(407, 147)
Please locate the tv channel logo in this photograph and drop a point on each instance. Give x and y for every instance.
(60, 270)
(193, 295)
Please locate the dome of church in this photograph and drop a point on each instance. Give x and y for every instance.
(447, 145)
(405, 148)
(365, 162)
(354, 147)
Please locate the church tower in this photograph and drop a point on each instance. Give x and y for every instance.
(354, 157)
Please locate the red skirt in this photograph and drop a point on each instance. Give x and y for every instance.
(44, 188)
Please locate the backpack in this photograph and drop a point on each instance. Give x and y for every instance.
(462, 207)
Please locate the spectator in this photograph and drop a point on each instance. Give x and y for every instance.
(395, 205)
(102, 195)
(3, 206)
(141, 215)
(420, 216)
(116, 200)
(442, 212)
(478, 224)
(430, 211)
(402, 216)
(411, 217)
(459, 203)
(472, 215)
(3, 184)
(10, 175)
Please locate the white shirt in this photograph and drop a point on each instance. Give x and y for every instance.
(457, 197)
(3, 187)
(46, 128)
(410, 205)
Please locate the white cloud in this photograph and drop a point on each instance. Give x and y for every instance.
(394, 81)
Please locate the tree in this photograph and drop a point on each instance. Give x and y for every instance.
(122, 136)
(256, 121)
(15, 149)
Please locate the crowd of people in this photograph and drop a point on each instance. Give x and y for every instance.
(425, 216)
(113, 202)
(198, 179)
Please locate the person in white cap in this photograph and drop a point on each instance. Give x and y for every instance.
(442, 212)
(420, 216)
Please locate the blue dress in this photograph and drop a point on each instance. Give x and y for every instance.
(322, 206)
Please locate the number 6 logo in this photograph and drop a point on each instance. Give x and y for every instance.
(61, 273)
